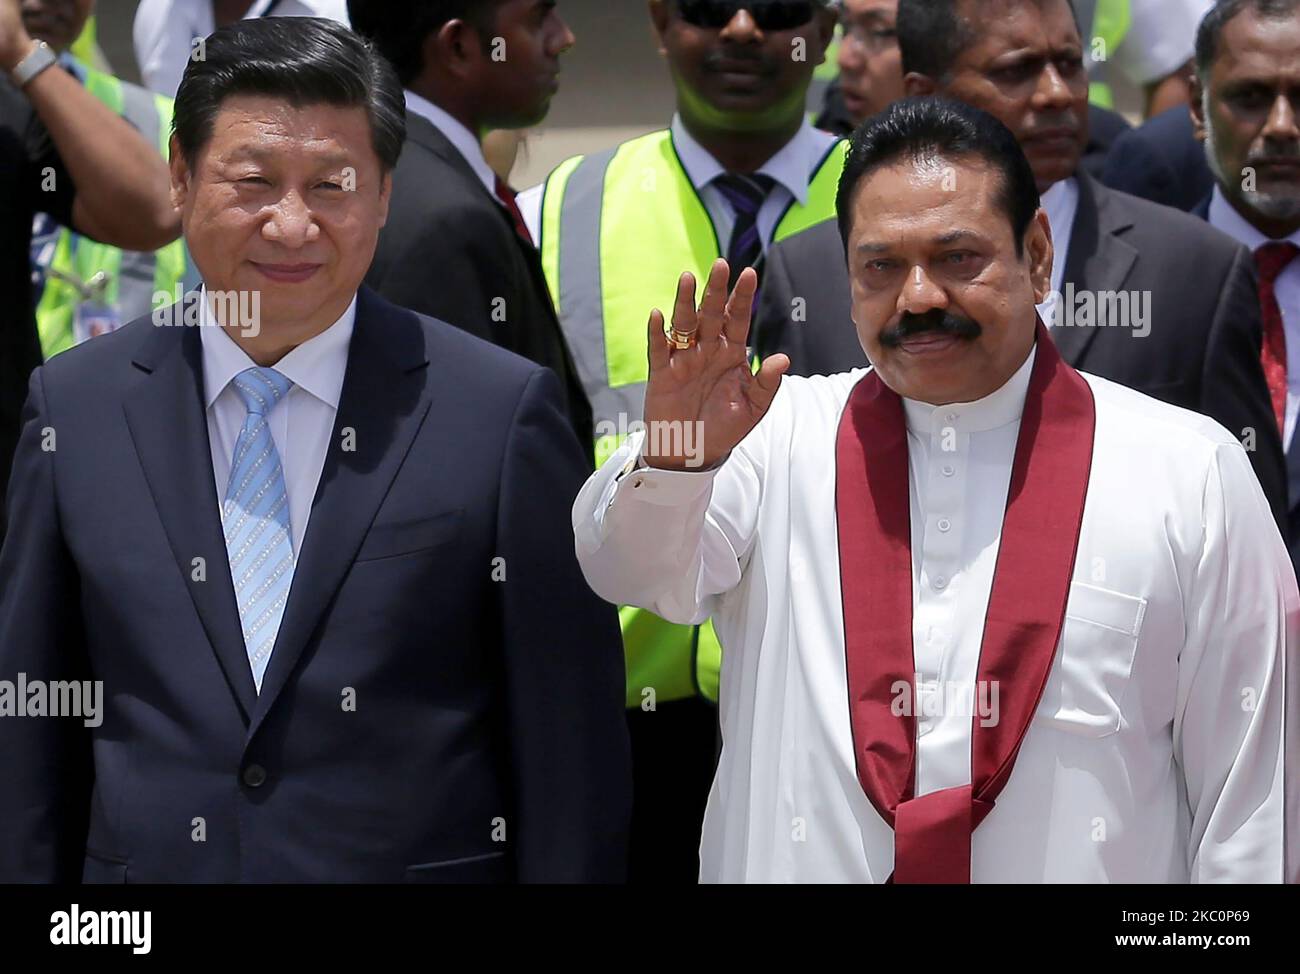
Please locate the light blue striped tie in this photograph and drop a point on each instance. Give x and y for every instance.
(255, 519)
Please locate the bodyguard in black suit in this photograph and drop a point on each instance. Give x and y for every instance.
(453, 248)
(1203, 346)
(443, 699)
(1243, 122)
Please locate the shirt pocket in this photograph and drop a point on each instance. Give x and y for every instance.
(1094, 660)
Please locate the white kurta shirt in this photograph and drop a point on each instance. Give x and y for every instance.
(1156, 751)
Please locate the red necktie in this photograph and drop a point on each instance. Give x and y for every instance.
(507, 196)
(1270, 259)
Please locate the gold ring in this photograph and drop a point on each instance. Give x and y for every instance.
(681, 339)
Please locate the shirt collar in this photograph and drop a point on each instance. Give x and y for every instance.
(1000, 407)
(1224, 216)
(457, 134)
(316, 366)
(1061, 201)
(792, 166)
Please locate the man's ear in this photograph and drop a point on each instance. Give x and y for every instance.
(1196, 105)
(659, 18)
(456, 47)
(1039, 250)
(917, 85)
(180, 173)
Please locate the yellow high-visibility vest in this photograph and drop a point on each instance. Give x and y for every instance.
(617, 229)
(128, 280)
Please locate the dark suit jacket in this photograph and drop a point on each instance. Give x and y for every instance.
(1161, 161)
(450, 251)
(481, 703)
(1202, 351)
(1202, 209)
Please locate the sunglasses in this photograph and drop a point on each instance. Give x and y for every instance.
(769, 15)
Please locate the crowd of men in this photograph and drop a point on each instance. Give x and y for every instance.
(420, 558)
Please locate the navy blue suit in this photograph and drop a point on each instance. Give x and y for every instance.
(487, 742)
(1161, 161)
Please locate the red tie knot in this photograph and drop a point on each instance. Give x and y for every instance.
(1272, 258)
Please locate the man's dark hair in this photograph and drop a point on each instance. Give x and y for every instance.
(399, 28)
(304, 60)
(1212, 24)
(923, 129)
(933, 33)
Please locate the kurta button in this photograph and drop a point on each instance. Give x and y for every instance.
(949, 470)
(255, 776)
(944, 524)
(940, 583)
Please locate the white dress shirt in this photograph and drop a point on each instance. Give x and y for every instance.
(458, 135)
(1287, 291)
(1061, 201)
(1142, 763)
(301, 423)
(164, 32)
(792, 168)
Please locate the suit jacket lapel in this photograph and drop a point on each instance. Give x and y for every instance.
(383, 403)
(1099, 259)
(168, 423)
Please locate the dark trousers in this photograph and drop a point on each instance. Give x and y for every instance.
(674, 756)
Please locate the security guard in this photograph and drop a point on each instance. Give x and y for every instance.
(739, 168)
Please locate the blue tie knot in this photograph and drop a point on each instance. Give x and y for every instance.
(261, 389)
(745, 192)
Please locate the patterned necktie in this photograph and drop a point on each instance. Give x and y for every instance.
(1270, 260)
(255, 519)
(745, 193)
(507, 196)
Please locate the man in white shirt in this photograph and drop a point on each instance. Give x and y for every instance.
(986, 618)
(1141, 294)
(166, 32)
(1242, 111)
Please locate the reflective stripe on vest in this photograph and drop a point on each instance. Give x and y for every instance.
(133, 277)
(617, 229)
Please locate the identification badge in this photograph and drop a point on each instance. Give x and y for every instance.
(94, 318)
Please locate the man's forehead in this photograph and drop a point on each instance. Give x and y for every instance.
(315, 122)
(931, 190)
(996, 27)
(1256, 45)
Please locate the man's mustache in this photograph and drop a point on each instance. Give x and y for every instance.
(938, 321)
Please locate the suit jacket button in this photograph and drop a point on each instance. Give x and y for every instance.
(255, 776)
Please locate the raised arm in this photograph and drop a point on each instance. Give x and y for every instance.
(666, 523)
(123, 190)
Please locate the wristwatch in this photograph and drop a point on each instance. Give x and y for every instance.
(37, 60)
